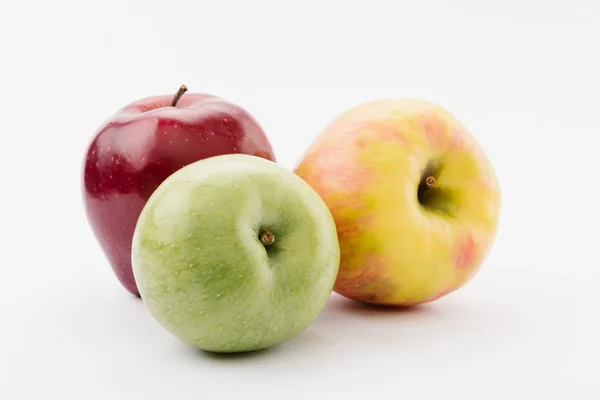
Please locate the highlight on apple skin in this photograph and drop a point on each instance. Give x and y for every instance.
(415, 200)
(234, 253)
(143, 143)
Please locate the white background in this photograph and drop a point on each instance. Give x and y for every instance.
(523, 75)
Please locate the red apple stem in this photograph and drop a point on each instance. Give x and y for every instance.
(180, 92)
(266, 237)
(430, 181)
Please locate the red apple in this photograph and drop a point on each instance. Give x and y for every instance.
(135, 150)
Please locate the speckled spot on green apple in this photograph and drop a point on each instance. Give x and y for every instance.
(202, 269)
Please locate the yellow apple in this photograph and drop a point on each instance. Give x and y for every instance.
(415, 200)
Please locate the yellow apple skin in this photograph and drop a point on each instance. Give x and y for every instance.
(368, 164)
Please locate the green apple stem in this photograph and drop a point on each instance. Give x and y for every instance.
(266, 237)
(180, 92)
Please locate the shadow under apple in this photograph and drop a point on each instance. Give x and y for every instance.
(340, 306)
(235, 356)
(360, 308)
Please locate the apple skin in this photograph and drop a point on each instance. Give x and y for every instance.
(141, 145)
(203, 271)
(404, 242)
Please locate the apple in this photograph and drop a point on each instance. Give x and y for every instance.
(234, 253)
(141, 145)
(415, 200)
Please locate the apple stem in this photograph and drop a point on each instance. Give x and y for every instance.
(180, 92)
(430, 181)
(266, 237)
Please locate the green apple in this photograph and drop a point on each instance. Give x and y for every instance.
(235, 253)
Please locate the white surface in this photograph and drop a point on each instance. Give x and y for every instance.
(522, 75)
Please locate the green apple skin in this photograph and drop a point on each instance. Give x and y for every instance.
(204, 273)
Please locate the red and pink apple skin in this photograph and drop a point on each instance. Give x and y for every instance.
(401, 243)
(136, 149)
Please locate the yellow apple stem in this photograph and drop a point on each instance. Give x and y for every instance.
(180, 92)
(430, 181)
(266, 237)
